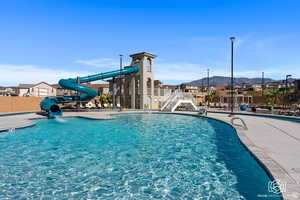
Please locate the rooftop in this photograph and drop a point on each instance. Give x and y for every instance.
(143, 54)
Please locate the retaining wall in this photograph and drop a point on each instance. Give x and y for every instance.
(19, 104)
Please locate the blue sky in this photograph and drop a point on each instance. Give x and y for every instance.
(48, 40)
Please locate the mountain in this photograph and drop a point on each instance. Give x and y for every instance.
(222, 80)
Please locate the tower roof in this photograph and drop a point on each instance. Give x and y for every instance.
(143, 54)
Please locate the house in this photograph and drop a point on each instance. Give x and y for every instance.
(171, 87)
(9, 91)
(60, 91)
(41, 89)
(257, 87)
(189, 88)
(100, 88)
(166, 90)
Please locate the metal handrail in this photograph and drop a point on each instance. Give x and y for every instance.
(175, 97)
(169, 99)
(243, 122)
(203, 111)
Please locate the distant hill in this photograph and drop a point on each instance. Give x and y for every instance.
(222, 80)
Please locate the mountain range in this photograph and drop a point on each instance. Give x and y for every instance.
(223, 80)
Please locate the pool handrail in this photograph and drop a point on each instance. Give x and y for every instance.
(238, 118)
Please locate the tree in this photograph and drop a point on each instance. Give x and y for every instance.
(278, 96)
(287, 97)
(105, 99)
(273, 96)
(212, 97)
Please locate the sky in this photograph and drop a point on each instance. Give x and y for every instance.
(46, 40)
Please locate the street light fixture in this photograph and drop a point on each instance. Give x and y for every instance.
(232, 39)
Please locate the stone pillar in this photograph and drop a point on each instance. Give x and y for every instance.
(123, 96)
(145, 61)
(132, 88)
(152, 94)
(114, 93)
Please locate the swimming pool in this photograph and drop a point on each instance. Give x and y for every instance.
(135, 156)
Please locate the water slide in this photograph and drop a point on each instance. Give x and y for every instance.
(51, 104)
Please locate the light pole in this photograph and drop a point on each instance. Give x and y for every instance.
(232, 88)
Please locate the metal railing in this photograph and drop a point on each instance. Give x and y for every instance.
(174, 98)
(169, 99)
(238, 118)
(202, 111)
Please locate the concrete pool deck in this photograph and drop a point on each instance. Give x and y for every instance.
(274, 142)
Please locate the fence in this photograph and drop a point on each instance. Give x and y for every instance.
(10, 104)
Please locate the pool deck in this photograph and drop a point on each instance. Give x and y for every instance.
(275, 143)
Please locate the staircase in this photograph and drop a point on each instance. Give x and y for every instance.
(179, 98)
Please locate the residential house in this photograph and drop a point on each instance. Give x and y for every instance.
(100, 88)
(9, 91)
(41, 89)
(189, 88)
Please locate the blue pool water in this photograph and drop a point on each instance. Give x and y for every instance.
(136, 156)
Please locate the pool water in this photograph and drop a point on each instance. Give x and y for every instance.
(135, 156)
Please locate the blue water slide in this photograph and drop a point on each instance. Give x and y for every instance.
(51, 104)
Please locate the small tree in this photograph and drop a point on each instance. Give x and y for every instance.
(105, 99)
(211, 97)
(273, 96)
(279, 96)
(287, 100)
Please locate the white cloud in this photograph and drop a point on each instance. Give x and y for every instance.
(15, 74)
(99, 62)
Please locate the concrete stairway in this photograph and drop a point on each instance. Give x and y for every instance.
(179, 98)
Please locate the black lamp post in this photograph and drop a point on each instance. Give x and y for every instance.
(231, 86)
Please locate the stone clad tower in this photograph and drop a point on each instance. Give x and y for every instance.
(144, 79)
(138, 88)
